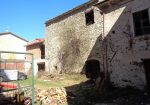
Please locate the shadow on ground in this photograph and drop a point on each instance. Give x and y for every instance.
(6, 100)
(86, 94)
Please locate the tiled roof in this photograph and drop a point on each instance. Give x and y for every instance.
(36, 41)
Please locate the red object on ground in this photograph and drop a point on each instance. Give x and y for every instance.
(8, 85)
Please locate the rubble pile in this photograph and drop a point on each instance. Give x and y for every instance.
(51, 96)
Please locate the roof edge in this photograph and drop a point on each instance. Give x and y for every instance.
(87, 4)
(5, 33)
(111, 2)
(40, 41)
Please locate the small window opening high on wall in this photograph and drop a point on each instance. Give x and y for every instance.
(89, 16)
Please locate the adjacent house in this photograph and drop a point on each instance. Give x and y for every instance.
(12, 42)
(37, 47)
(11, 62)
(106, 39)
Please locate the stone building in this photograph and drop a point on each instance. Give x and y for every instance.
(70, 39)
(106, 38)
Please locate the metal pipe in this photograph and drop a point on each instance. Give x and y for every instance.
(105, 49)
(33, 79)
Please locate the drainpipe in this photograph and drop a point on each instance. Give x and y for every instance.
(105, 53)
(103, 41)
(105, 61)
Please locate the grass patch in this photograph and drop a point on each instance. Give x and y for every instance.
(63, 80)
(75, 84)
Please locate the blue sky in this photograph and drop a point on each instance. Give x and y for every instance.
(26, 18)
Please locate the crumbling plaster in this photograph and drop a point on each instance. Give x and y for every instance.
(125, 50)
(69, 43)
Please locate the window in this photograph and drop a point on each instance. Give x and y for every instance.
(42, 48)
(89, 16)
(141, 22)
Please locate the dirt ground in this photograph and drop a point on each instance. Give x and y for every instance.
(81, 91)
(114, 96)
(78, 90)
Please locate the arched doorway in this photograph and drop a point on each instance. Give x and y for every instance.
(92, 69)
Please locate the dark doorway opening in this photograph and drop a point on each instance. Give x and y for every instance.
(42, 51)
(41, 67)
(92, 69)
(147, 73)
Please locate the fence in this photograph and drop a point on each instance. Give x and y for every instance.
(17, 74)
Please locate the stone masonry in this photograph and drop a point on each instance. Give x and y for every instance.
(111, 40)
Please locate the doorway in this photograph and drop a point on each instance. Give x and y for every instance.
(146, 63)
(42, 48)
(92, 69)
(41, 66)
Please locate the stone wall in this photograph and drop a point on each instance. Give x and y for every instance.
(110, 40)
(70, 41)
